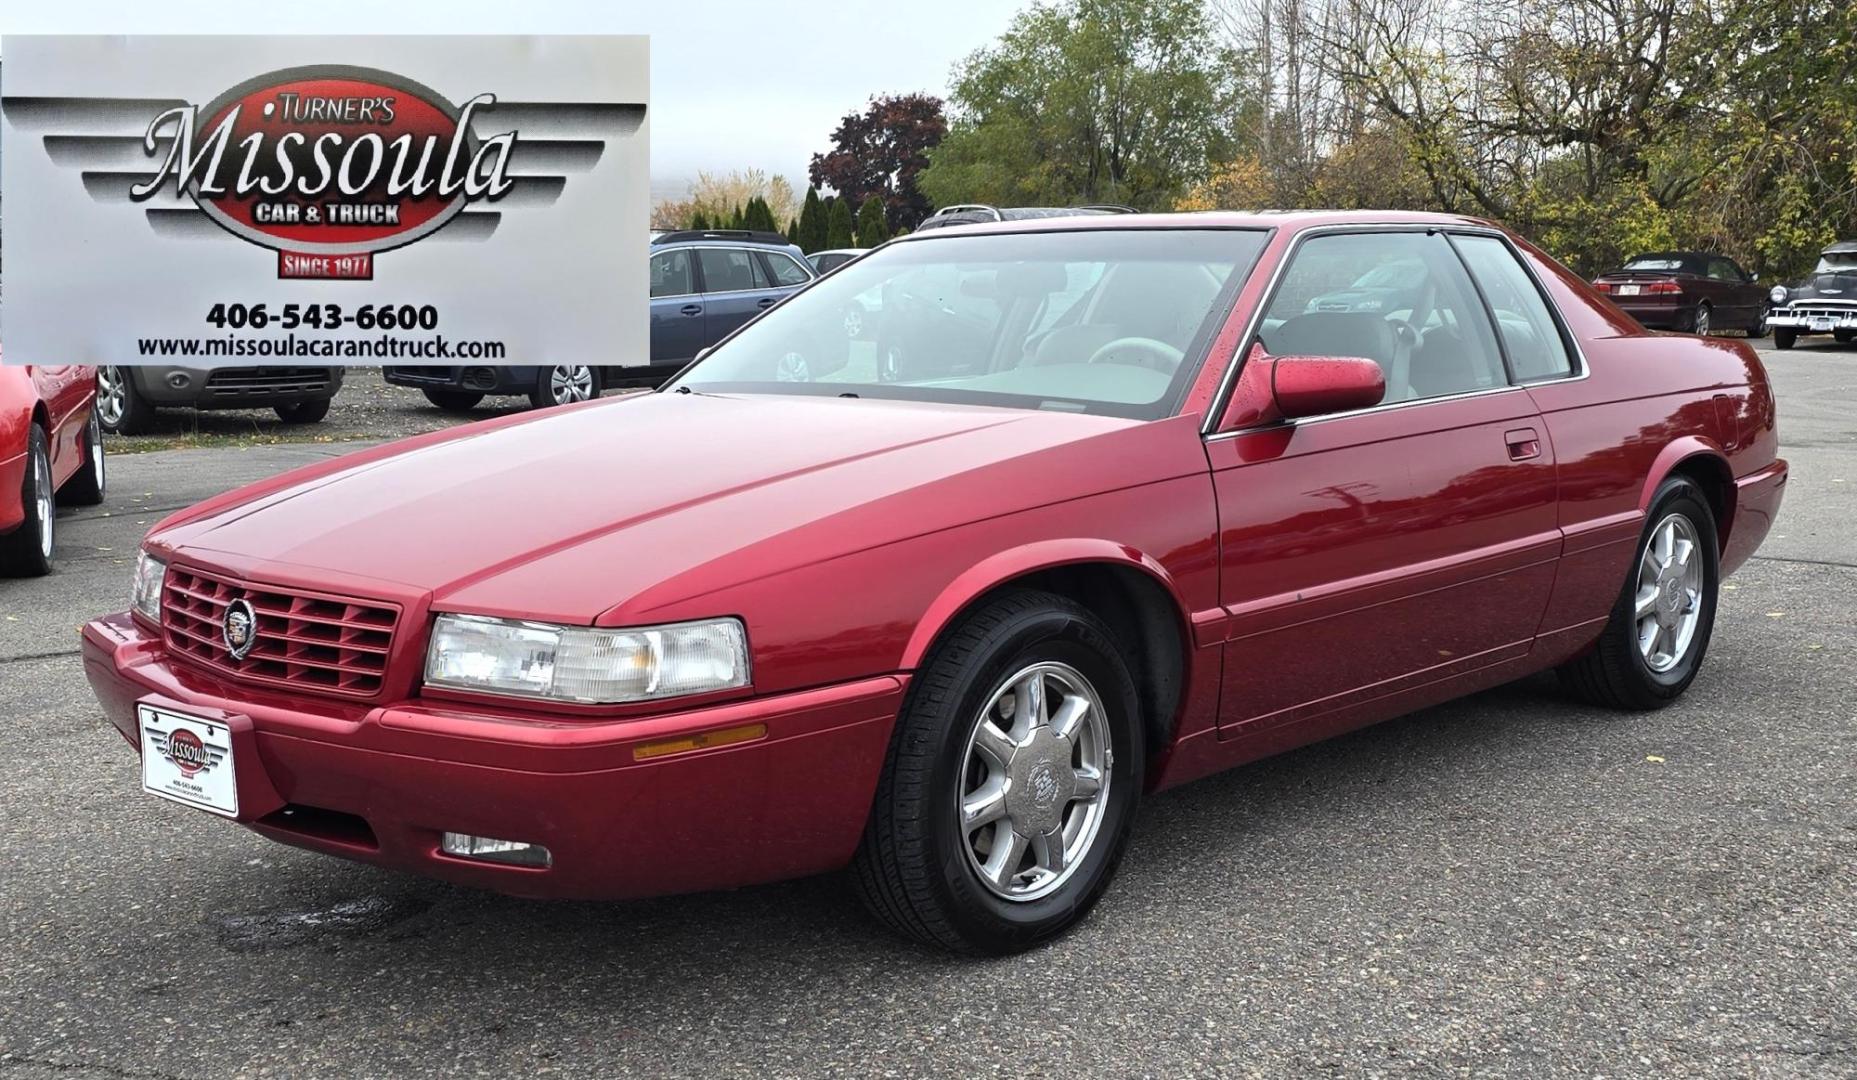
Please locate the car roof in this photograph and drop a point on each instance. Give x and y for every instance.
(732, 237)
(1842, 247)
(838, 251)
(1293, 220)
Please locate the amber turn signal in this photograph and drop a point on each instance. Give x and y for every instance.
(705, 740)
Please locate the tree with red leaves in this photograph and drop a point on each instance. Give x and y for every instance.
(877, 154)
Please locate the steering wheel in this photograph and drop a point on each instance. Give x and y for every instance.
(1150, 353)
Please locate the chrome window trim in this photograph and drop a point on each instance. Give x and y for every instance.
(1221, 399)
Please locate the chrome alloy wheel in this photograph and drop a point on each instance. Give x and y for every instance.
(569, 384)
(93, 443)
(1034, 781)
(42, 498)
(1669, 598)
(1702, 321)
(112, 391)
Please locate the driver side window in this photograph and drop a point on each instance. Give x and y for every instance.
(1400, 299)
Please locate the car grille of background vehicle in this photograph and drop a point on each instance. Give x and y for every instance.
(265, 381)
(305, 641)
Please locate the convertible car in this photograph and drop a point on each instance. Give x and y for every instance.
(51, 448)
(950, 630)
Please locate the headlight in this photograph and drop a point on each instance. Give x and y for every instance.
(145, 592)
(584, 664)
(1778, 295)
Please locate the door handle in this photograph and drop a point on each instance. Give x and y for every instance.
(765, 301)
(1524, 443)
(691, 309)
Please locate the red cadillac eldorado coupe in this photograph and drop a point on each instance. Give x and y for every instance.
(1113, 503)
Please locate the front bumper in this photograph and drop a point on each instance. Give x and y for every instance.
(477, 379)
(237, 387)
(1807, 317)
(380, 784)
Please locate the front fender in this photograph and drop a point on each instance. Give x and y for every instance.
(997, 569)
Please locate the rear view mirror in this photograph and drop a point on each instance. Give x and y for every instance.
(1319, 385)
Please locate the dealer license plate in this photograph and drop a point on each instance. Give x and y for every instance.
(1823, 324)
(188, 760)
(1628, 290)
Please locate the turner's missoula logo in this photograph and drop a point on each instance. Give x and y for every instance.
(328, 165)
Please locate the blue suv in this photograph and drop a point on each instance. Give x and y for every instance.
(704, 284)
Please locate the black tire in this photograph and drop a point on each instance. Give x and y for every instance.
(1758, 329)
(543, 395)
(1702, 321)
(913, 869)
(23, 551)
(137, 415)
(1614, 672)
(458, 401)
(1844, 337)
(86, 486)
(303, 412)
(1783, 337)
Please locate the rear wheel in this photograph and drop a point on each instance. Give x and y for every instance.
(453, 400)
(1011, 783)
(1654, 642)
(1759, 327)
(564, 384)
(303, 412)
(27, 550)
(1783, 337)
(85, 488)
(1700, 321)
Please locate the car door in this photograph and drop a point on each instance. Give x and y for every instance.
(1368, 553)
(735, 289)
(1739, 295)
(677, 316)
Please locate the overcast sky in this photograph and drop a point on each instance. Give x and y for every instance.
(734, 83)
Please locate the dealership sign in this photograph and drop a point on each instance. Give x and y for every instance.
(340, 199)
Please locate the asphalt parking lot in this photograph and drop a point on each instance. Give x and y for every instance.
(1510, 885)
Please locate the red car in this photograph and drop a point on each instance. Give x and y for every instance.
(51, 448)
(788, 615)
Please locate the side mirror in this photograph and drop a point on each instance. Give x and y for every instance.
(1319, 385)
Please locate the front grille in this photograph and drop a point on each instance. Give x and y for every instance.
(306, 641)
(1819, 309)
(266, 381)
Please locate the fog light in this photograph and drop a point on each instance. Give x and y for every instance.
(466, 846)
(179, 379)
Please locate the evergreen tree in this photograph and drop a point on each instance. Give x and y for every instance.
(699, 220)
(873, 229)
(812, 223)
(838, 225)
(792, 232)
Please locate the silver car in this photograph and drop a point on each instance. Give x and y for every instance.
(127, 397)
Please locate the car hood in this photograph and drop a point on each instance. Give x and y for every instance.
(1835, 286)
(645, 500)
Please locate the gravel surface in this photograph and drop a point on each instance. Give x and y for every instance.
(1510, 885)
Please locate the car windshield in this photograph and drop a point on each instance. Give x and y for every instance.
(1110, 321)
(1836, 262)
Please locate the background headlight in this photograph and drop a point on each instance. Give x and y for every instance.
(145, 592)
(584, 664)
(1778, 295)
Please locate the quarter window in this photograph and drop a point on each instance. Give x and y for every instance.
(785, 270)
(670, 274)
(1400, 299)
(1528, 330)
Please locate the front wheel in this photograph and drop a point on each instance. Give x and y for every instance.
(1654, 642)
(1844, 337)
(1012, 781)
(564, 385)
(1783, 337)
(124, 410)
(303, 412)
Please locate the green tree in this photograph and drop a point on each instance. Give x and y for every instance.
(812, 224)
(873, 229)
(792, 231)
(1108, 101)
(699, 221)
(838, 225)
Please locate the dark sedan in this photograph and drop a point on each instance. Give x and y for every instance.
(1693, 291)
